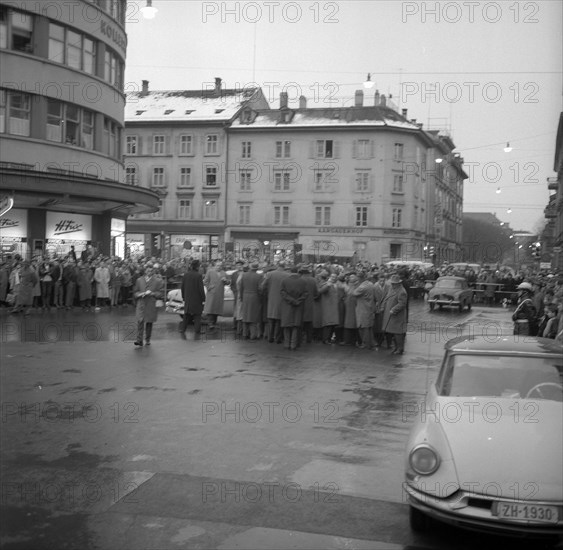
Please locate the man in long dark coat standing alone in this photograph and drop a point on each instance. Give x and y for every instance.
(193, 295)
(148, 289)
(272, 289)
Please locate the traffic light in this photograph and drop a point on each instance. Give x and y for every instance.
(537, 251)
(156, 244)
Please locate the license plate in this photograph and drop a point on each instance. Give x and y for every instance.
(527, 512)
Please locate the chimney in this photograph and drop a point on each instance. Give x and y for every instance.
(283, 100)
(383, 101)
(145, 87)
(359, 99)
(302, 102)
(420, 124)
(217, 86)
(376, 98)
(404, 111)
(413, 120)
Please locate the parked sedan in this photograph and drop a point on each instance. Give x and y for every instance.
(452, 292)
(485, 451)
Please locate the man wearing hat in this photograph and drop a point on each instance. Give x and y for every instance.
(394, 315)
(148, 289)
(251, 307)
(306, 272)
(239, 265)
(271, 287)
(525, 315)
(193, 295)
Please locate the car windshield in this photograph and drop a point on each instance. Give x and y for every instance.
(448, 283)
(503, 376)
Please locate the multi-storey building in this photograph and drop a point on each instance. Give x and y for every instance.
(351, 183)
(176, 144)
(552, 248)
(61, 125)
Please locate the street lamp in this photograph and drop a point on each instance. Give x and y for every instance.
(369, 84)
(148, 11)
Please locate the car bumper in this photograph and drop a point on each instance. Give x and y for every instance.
(443, 302)
(475, 512)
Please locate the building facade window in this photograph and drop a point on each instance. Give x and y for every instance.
(281, 215)
(158, 179)
(398, 183)
(131, 143)
(76, 51)
(186, 144)
(397, 217)
(322, 180)
(112, 138)
(212, 144)
(246, 149)
(185, 177)
(210, 209)
(113, 69)
(398, 155)
(211, 176)
(245, 178)
(322, 215)
(395, 251)
(244, 214)
(281, 180)
(325, 148)
(361, 216)
(283, 149)
(16, 30)
(362, 181)
(131, 177)
(364, 149)
(159, 145)
(70, 124)
(15, 113)
(185, 209)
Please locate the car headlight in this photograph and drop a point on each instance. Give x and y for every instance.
(424, 460)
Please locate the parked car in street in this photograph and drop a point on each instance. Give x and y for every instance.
(485, 450)
(175, 304)
(452, 292)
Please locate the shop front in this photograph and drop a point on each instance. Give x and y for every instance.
(13, 234)
(65, 232)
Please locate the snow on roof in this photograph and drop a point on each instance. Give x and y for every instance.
(346, 117)
(185, 105)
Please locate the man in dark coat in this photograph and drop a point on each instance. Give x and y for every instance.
(234, 279)
(193, 295)
(293, 294)
(271, 288)
(308, 305)
(395, 315)
(251, 307)
(148, 289)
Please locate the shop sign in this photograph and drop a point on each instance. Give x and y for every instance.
(14, 223)
(64, 225)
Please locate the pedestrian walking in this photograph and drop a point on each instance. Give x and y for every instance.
(148, 289)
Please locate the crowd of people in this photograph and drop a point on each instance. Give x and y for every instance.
(359, 304)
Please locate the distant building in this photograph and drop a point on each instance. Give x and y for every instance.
(554, 210)
(349, 183)
(61, 128)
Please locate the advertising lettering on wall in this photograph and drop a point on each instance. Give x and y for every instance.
(14, 224)
(67, 226)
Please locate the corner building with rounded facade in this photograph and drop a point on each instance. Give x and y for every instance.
(61, 128)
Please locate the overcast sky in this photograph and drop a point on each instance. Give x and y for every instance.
(487, 72)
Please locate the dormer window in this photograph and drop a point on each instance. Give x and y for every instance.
(246, 116)
(189, 112)
(286, 116)
(217, 111)
(168, 111)
(139, 113)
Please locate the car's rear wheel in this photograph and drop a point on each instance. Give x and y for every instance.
(432, 307)
(460, 307)
(468, 306)
(417, 520)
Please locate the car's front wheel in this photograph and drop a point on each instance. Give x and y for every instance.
(431, 306)
(417, 520)
(469, 306)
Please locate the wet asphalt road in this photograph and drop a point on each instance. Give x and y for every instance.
(215, 443)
